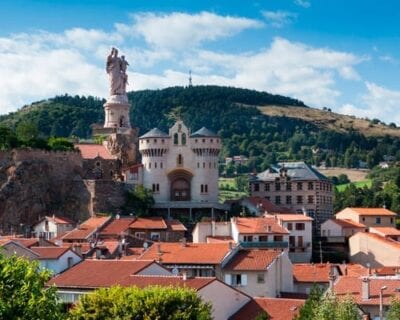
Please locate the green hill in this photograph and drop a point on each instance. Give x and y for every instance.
(238, 115)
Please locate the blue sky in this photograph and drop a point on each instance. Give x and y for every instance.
(344, 55)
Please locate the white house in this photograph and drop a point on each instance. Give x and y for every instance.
(57, 259)
(341, 228)
(259, 272)
(51, 227)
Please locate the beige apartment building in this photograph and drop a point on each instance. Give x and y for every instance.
(370, 217)
(297, 186)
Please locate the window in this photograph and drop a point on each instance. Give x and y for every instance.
(70, 262)
(149, 165)
(378, 220)
(155, 140)
(198, 165)
(290, 226)
(248, 238)
(206, 188)
(300, 226)
(155, 165)
(204, 140)
(260, 278)
(299, 185)
(140, 235)
(179, 160)
(278, 238)
(204, 165)
(277, 186)
(310, 199)
(256, 187)
(263, 238)
(391, 220)
(155, 187)
(155, 236)
(310, 186)
(288, 186)
(162, 140)
(299, 199)
(266, 187)
(183, 138)
(175, 138)
(288, 199)
(278, 200)
(161, 165)
(239, 280)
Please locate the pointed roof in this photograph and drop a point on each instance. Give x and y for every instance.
(204, 132)
(154, 133)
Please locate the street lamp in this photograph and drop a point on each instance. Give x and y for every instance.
(381, 301)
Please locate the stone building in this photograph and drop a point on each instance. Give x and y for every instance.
(297, 186)
(181, 168)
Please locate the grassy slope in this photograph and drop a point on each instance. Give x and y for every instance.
(358, 184)
(331, 120)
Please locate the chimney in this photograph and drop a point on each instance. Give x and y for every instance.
(213, 228)
(269, 228)
(183, 242)
(365, 288)
(369, 269)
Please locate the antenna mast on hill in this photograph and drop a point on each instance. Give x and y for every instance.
(190, 78)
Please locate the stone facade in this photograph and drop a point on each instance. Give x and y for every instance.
(181, 166)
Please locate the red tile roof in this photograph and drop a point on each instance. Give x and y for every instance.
(149, 223)
(92, 151)
(50, 253)
(385, 231)
(117, 227)
(353, 269)
(293, 217)
(175, 225)
(372, 211)
(266, 205)
(259, 226)
(387, 271)
(26, 242)
(348, 223)
(219, 239)
(56, 220)
(252, 260)
(309, 272)
(98, 273)
(191, 253)
(276, 308)
(352, 286)
(111, 246)
(86, 229)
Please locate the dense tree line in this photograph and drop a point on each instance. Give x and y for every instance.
(230, 112)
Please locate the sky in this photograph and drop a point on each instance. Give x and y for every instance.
(339, 54)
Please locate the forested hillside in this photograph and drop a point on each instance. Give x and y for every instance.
(233, 113)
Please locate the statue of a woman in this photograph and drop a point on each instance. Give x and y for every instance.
(114, 70)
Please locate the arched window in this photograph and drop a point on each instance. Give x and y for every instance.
(175, 138)
(179, 160)
(184, 138)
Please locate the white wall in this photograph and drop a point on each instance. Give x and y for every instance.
(61, 263)
(154, 270)
(225, 300)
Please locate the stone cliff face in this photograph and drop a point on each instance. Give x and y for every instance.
(29, 190)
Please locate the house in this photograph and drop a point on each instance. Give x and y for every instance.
(259, 272)
(11, 247)
(258, 206)
(206, 231)
(297, 186)
(157, 229)
(342, 228)
(300, 235)
(259, 232)
(370, 217)
(387, 232)
(194, 259)
(56, 259)
(92, 274)
(133, 175)
(87, 230)
(306, 275)
(275, 308)
(50, 227)
(366, 292)
(378, 251)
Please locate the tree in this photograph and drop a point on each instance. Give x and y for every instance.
(139, 200)
(394, 310)
(60, 144)
(309, 309)
(27, 131)
(8, 139)
(22, 291)
(155, 302)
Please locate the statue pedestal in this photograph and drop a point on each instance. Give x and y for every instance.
(116, 111)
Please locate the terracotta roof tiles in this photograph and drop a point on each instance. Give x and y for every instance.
(348, 223)
(86, 229)
(116, 227)
(261, 225)
(252, 260)
(191, 253)
(293, 217)
(149, 223)
(92, 151)
(50, 253)
(372, 211)
(309, 272)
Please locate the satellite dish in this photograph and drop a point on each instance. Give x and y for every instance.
(145, 245)
(175, 271)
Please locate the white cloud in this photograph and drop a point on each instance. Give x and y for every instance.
(181, 30)
(279, 19)
(378, 102)
(389, 59)
(303, 3)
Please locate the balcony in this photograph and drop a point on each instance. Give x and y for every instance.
(264, 244)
